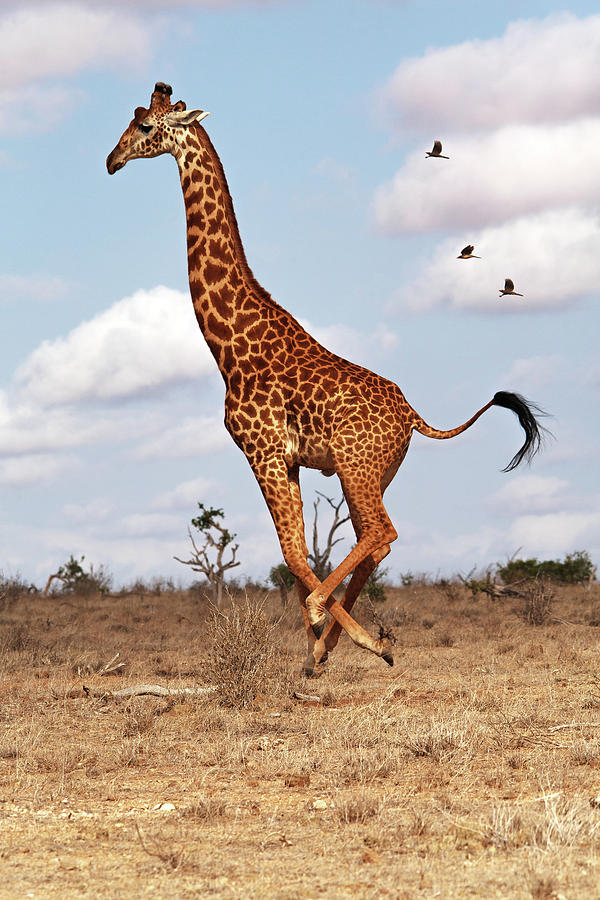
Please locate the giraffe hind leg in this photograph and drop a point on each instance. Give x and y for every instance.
(357, 582)
(364, 497)
(362, 571)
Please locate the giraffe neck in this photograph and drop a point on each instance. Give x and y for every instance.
(226, 296)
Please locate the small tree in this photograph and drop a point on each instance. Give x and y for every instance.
(217, 539)
(75, 580)
(281, 577)
(321, 559)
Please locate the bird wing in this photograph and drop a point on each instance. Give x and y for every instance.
(509, 284)
(468, 249)
(437, 147)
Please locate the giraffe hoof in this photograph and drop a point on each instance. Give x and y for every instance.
(308, 669)
(386, 651)
(318, 627)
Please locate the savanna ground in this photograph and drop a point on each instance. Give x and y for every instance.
(470, 769)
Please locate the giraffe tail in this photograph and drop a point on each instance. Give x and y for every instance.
(526, 412)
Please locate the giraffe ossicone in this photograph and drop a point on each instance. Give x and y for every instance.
(290, 402)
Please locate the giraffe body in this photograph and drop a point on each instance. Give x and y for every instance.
(289, 402)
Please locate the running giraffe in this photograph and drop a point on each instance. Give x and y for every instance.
(290, 402)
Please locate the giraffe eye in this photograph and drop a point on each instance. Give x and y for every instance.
(146, 128)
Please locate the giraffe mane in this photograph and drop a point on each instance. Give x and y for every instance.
(220, 172)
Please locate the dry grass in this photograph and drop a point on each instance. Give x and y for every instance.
(465, 771)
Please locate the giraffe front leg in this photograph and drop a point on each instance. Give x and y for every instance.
(316, 654)
(357, 582)
(280, 486)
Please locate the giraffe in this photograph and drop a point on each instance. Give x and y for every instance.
(290, 402)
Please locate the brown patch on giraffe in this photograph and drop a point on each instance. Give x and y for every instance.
(241, 347)
(219, 328)
(220, 252)
(244, 320)
(235, 383)
(214, 272)
(227, 359)
(257, 331)
(222, 301)
(246, 366)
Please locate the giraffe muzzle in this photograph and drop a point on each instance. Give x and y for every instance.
(112, 164)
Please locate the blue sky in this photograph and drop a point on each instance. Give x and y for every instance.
(110, 404)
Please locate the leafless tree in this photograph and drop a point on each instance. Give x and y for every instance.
(200, 561)
(320, 560)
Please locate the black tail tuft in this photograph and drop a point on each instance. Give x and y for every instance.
(534, 432)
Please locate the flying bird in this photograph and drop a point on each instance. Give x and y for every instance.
(467, 253)
(437, 151)
(509, 288)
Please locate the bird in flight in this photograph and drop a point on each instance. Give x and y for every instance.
(509, 288)
(437, 151)
(467, 253)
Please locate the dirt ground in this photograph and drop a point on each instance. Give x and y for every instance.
(470, 769)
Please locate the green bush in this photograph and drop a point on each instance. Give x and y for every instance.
(576, 568)
(374, 588)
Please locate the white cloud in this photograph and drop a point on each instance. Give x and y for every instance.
(36, 287)
(44, 42)
(58, 40)
(185, 494)
(539, 70)
(530, 494)
(201, 4)
(149, 524)
(141, 343)
(35, 468)
(192, 437)
(352, 344)
(535, 372)
(25, 428)
(494, 177)
(450, 552)
(334, 170)
(551, 257)
(555, 533)
(97, 510)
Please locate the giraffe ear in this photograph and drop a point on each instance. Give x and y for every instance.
(181, 117)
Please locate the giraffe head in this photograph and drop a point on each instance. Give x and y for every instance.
(153, 131)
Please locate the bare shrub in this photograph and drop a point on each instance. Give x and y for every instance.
(537, 606)
(439, 739)
(205, 809)
(445, 639)
(173, 857)
(564, 822)
(586, 752)
(132, 752)
(139, 718)
(543, 888)
(451, 589)
(12, 588)
(359, 808)
(504, 830)
(242, 652)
